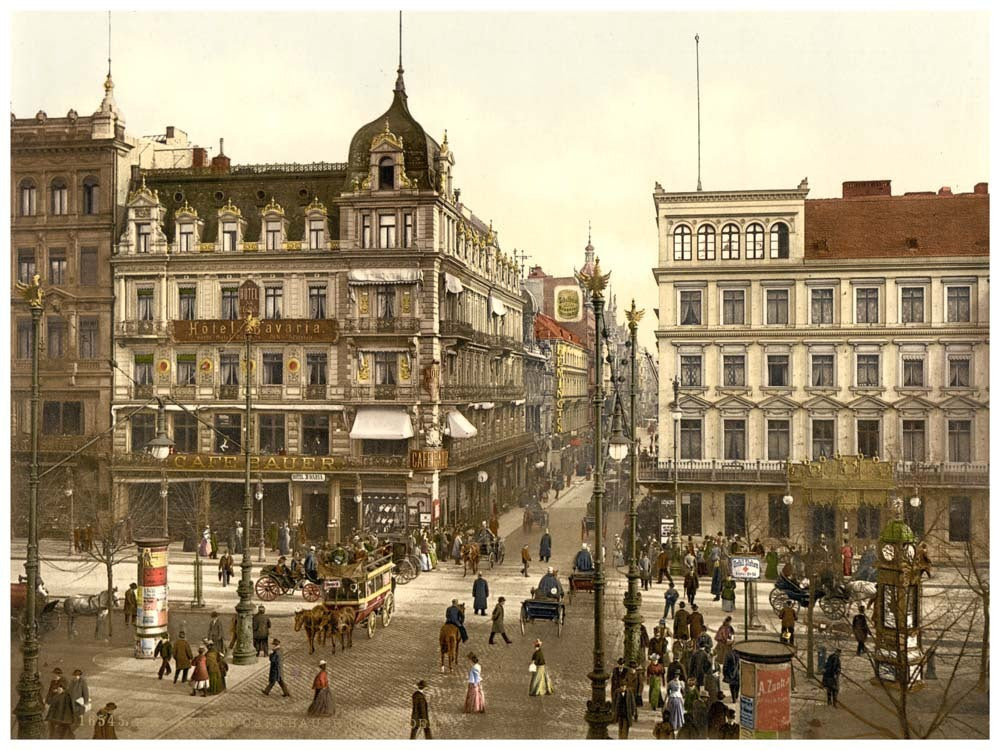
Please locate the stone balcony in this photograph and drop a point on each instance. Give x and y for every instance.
(373, 326)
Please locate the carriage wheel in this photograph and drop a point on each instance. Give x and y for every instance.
(833, 607)
(405, 568)
(370, 622)
(311, 592)
(522, 619)
(777, 600)
(415, 562)
(559, 622)
(268, 589)
(387, 607)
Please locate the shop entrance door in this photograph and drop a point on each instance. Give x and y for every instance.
(824, 523)
(315, 514)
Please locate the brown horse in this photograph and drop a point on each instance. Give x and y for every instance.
(449, 640)
(470, 558)
(341, 621)
(315, 623)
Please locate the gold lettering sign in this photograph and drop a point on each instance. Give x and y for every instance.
(262, 463)
(271, 331)
(406, 305)
(363, 303)
(843, 474)
(567, 304)
(428, 460)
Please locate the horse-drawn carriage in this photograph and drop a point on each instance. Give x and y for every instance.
(492, 551)
(552, 610)
(46, 612)
(273, 584)
(405, 556)
(580, 581)
(538, 514)
(833, 602)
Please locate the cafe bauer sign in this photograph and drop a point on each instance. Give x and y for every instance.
(288, 331)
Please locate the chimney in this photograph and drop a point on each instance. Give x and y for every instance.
(199, 157)
(981, 188)
(944, 190)
(220, 163)
(170, 131)
(867, 188)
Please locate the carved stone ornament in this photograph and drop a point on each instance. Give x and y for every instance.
(388, 137)
(272, 208)
(594, 282)
(433, 437)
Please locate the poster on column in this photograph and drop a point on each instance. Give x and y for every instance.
(773, 699)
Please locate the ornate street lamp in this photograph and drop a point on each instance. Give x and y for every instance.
(259, 497)
(633, 599)
(68, 492)
(598, 715)
(675, 419)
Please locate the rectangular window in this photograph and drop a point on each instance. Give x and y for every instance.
(57, 331)
(959, 310)
(366, 231)
(272, 433)
(386, 230)
(912, 304)
(733, 307)
(144, 304)
(960, 519)
(914, 445)
(91, 193)
(408, 230)
(869, 522)
(185, 369)
(186, 303)
(143, 430)
(867, 305)
(143, 234)
(734, 370)
(26, 265)
(24, 339)
(777, 307)
(385, 447)
(229, 237)
(735, 514)
(274, 368)
(821, 306)
(691, 439)
(869, 438)
(185, 433)
(778, 439)
(272, 235)
(228, 433)
(62, 418)
(315, 234)
(29, 195)
(690, 308)
(734, 435)
(960, 440)
(316, 367)
(914, 518)
(317, 302)
(60, 200)
(822, 370)
(913, 373)
(87, 346)
(315, 434)
(88, 266)
(777, 370)
(142, 369)
(691, 370)
(868, 370)
(691, 513)
(57, 266)
(385, 368)
(778, 523)
(958, 373)
(229, 368)
(230, 303)
(385, 299)
(272, 302)
(185, 238)
(822, 438)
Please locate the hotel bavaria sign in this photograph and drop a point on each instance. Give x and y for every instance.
(289, 331)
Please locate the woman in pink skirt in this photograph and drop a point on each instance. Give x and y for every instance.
(475, 703)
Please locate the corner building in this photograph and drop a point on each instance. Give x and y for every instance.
(815, 332)
(387, 378)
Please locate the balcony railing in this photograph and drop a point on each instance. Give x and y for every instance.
(460, 453)
(457, 328)
(59, 443)
(920, 474)
(315, 392)
(142, 391)
(404, 325)
(143, 328)
(184, 391)
(481, 392)
(227, 392)
(379, 392)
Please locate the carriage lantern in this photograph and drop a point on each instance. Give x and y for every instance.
(898, 640)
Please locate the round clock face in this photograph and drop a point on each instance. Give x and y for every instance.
(888, 552)
(909, 552)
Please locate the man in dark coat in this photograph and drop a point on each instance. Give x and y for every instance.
(624, 709)
(663, 564)
(215, 634)
(859, 626)
(788, 620)
(104, 724)
(717, 717)
(696, 623)
(690, 586)
(480, 595)
(131, 604)
(545, 547)
(276, 674)
(681, 627)
(676, 669)
(658, 643)
(635, 683)
(731, 674)
(261, 631)
(619, 676)
(57, 681)
(701, 665)
(60, 716)
(164, 649)
(498, 626)
(419, 714)
(455, 616)
(182, 658)
(79, 692)
(831, 677)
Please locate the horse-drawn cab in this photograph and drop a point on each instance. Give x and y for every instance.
(364, 586)
(405, 556)
(274, 583)
(46, 614)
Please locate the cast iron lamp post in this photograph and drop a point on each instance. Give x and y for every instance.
(675, 418)
(633, 599)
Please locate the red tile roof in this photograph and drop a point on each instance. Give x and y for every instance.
(898, 227)
(547, 328)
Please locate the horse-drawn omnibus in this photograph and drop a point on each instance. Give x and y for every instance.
(364, 586)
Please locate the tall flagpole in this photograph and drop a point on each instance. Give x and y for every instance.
(697, 69)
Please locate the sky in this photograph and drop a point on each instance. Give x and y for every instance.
(556, 119)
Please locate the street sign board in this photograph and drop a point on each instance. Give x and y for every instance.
(248, 298)
(425, 519)
(308, 477)
(666, 529)
(744, 568)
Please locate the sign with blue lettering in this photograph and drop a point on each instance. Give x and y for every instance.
(744, 568)
(746, 712)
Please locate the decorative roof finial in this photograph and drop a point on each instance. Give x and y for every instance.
(400, 86)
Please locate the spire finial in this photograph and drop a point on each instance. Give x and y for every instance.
(109, 45)
(588, 231)
(400, 86)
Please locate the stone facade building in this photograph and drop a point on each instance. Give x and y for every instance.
(818, 331)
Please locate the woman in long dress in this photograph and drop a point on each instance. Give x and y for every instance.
(322, 702)
(771, 571)
(728, 595)
(475, 703)
(199, 678)
(654, 672)
(540, 682)
(674, 712)
(217, 668)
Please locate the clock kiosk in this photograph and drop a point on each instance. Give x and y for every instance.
(898, 647)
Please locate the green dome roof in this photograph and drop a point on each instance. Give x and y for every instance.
(897, 531)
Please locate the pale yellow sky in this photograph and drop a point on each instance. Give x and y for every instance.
(555, 118)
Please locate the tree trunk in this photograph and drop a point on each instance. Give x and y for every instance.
(810, 670)
(984, 654)
(109, 567)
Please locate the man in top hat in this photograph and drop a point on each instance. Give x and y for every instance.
(419, 715)
(57, 681)
(310, 565)
(80, 693)
(104, 725)
(261, 631)
(276, 674)
(131, 604)
(215, 634)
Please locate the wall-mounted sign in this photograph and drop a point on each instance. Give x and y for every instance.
(292, 330)
(308, 477)
(248, 298)
(744, 568)
(428, 460)
(568, 305)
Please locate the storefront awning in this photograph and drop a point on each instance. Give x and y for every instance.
(375, 423)
(452, 285)
(497, 307)
(385, 276)
(459, 427)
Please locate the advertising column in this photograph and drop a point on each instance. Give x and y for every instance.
(151, 597)
(765, 689)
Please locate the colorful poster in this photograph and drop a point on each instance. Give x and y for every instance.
(773, 699)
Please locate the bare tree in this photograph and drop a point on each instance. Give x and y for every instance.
(112, 545)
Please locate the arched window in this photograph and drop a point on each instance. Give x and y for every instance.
(28, 196)
(60, 197)
(706, 242)
(755, 242)
(386, 174)
(730, 242)
(779, 240)
(682, 243)
(90, 196)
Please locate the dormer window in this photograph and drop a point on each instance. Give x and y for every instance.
(90, 196)
(272, 235)
(60, 197)
(185, 238)
(143, 234)
(317, 234)
(386, 174)
(779, 240)
(229, 235)
(273, 226)
(28, 198)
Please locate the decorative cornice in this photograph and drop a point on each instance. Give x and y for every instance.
(725, 196)
(229, 208)
(272, 208)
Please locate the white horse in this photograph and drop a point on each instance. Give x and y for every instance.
(861, 591)
(96, 604)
